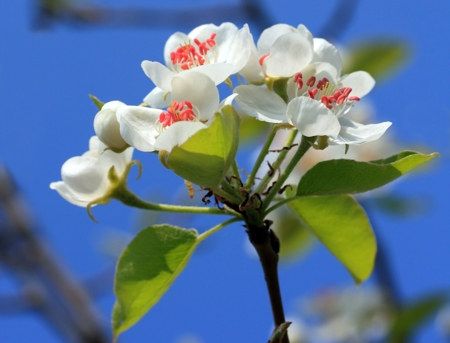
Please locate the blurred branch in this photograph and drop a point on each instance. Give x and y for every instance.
(69, 12)
(340, 20)
(48, 287)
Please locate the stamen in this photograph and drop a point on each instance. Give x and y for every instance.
(354, 98)
(263, 57)
(188, 56)
(177, 111)
(311, 81)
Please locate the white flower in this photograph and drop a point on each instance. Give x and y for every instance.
(216, 51)
(84, 178)
(107, 127)
(282, 51)
(194, 100)
(318, 98)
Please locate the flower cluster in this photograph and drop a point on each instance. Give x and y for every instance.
(292, 78)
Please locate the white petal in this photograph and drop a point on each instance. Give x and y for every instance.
(288, 55)
(356, 133)
(312, 118)
(218, 72)
(137, 126)
(107, 128)
(360, 82)
(118, 160)
(112, 105)
(270, 35)
(158, 98)
(199, 89)
(95, 147)
(240, 49)
(86, 177)
(225, 34)
(172, 44)
(65, 192)
(324, 51)
(227, 101)
(159, 74)
(252, 71)
(261, 103)
(302, 30)
(177, 134)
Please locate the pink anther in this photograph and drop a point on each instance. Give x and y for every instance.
(311, 81)
(312, 93)
(325, 101)
(354, 98)
(263, 57)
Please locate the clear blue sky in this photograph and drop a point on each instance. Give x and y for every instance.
(46, 118)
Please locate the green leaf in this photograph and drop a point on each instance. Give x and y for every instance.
(378, 58)
(97, 102)
(349, 177)
(341, 224)
(206, 156)
(411, 317)
(146, 269)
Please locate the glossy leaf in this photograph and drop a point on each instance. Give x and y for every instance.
(146, 269)
(378, 58)
(340, 224)
(206, 156)
(349, 177)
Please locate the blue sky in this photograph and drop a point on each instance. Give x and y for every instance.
(46, 118)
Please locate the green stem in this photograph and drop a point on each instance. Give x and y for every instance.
(302, 149)
(260, 160)
(231, 198)
(127, 197)
(235, 169)
(228, 188)
(282, 155)
(216, 228)
(279, 204)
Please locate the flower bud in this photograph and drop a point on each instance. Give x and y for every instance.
(107, 127)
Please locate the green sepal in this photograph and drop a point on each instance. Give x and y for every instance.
(279, 332)
(146, 269)
(117, 187)
(97, 102)
(342, 226)
(280, 88)
(350, 177)
(207, 155)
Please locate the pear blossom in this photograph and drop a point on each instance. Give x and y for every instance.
(317, 100)
(216, 51)
(84, 178)
(194, 100)
(281, 51)
(107, 127)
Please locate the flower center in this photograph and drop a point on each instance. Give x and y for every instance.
(177, 111)
(335, 99)
(189, 55)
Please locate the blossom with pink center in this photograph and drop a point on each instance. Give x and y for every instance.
(318, 99)
(216, 51)
(85, 177)
(194, 100)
